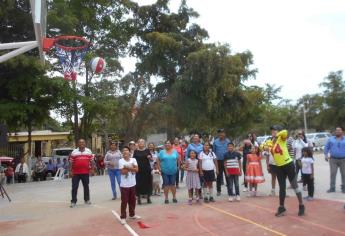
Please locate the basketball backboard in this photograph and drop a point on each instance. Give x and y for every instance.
(39, 18)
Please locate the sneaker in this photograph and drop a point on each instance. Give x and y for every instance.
(190, 202)
(281, 211)
(238, 198)
(166, 201)
(245, 190)
(135, 217)
(218, 194)
(306, 198)
(301, 210)
(88, 202)
(114, 198)
(212, 199)
(175, 200)
(206, 200)
(273, 193)
(123, 221)
(73, 205)
(310, 199)
(331, 190)
(231, 199)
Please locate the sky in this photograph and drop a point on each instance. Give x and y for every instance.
(295, 43)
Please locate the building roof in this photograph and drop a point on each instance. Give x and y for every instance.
(39, 133)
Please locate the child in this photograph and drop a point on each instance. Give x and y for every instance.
(207, 164)
(156, 179)
(271, 165)
(233, 169)
(254, 171)
(128, 167)
(307, 162)
(192, 179)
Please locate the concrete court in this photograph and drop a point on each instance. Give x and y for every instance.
(43, 209)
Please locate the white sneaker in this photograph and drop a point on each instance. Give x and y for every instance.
(88, 202)
(73, 205)
(123, 221)
(231, 199)
(245, 190)
(238, 198)
(135, 217)
(273, 193)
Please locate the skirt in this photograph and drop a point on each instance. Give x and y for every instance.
(254, 174)
(193, 180)
(209, 176)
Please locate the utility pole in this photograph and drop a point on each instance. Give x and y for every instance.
(305, 119)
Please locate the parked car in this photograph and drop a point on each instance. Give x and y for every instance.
(62, 153)
(318, 139)
(262, 139)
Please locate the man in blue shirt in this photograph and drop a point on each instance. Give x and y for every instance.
(220, 147)
(336, 147)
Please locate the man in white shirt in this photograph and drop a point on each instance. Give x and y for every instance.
(22, 170)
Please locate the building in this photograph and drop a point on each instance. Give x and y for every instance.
(43, 141)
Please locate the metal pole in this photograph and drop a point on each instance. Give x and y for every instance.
(17, 52)
(305, 119)
(4, 46)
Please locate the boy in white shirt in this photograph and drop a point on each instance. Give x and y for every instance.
(128, 167)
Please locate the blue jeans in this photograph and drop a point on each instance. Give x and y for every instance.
(169, 180)
(114, 173)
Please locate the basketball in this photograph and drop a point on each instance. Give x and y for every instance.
(97, 65)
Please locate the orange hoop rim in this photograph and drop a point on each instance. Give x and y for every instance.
(70, 37)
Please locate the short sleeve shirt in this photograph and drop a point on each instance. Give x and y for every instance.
(128, 180)
(168, 162)
(207, 160)
(306, 165)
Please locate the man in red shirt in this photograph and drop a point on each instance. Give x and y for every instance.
(81, 161)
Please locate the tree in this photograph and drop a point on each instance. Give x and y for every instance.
(27, 94)
(334, 99)
(211, 94)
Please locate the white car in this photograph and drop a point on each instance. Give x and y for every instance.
(318, 139)
(262, 139)
(62, 153)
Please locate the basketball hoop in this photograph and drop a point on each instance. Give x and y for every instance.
(70, 50)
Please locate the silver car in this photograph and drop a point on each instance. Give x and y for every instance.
(318, 139)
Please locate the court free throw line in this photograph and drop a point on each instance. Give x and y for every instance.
(245, 220)
(129, 228)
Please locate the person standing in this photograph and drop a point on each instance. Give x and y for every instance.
(208, 163)
(167, 164)
(180, 152)
(195, 145)
(307, 170)
(285, 169)
(143, 176)
(81, 160)
(111, 161)
(128, 167)
(9, 173)
(246, 150)
(220, 147)
(22, 171)
(193, 178)
(335, 147)
(154, 154)
(232, 165)
(298, 146)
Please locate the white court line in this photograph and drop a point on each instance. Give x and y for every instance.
(129, 228)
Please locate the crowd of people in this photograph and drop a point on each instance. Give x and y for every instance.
(139, 168)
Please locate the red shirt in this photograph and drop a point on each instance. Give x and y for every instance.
(81, 161)
(180, 152)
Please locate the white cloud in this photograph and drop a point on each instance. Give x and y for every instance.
(295, 43)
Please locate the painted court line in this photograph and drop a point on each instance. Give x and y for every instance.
(299, 219)
(245, 220)
(129, 228)
(196, 219)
